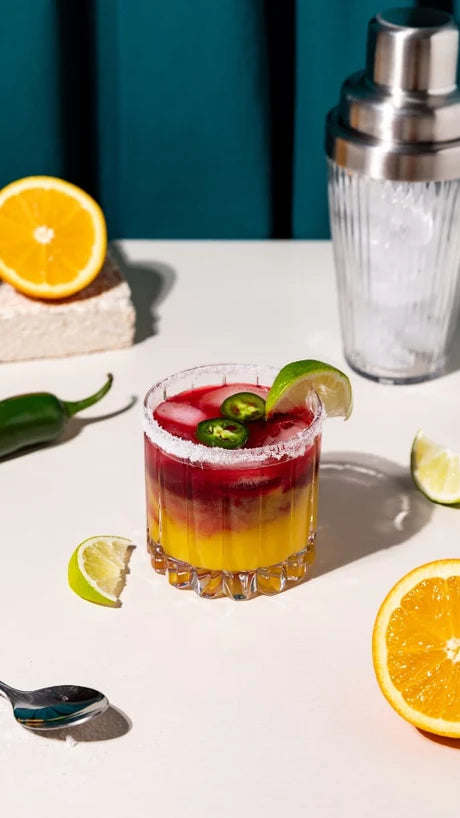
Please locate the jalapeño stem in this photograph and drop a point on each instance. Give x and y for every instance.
(72, 407)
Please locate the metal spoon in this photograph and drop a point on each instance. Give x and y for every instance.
(53, 707)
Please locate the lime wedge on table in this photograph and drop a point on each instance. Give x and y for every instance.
(296, 380)
(97, 569)
(435, 470)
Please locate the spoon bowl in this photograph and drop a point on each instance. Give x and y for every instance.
(51, 708)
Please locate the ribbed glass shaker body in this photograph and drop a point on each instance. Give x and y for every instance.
(397, 259)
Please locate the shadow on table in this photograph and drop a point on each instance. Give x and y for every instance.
(446, 740)
(366, 503)
(111, 724)
(77, 424)
(150, 282)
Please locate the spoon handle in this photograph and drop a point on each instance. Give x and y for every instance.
(8, 691)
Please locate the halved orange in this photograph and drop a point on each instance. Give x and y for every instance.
(416, 647)
(53, 237)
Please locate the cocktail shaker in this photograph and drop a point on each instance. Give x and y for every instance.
(393, 147)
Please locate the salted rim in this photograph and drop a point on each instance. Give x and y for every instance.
(193, 452)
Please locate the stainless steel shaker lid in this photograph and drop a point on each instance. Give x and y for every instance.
(400, 118)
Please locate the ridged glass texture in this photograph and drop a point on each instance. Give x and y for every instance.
(397, 259)
(234, 523)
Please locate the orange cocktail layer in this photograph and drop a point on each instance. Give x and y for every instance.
(231, 519)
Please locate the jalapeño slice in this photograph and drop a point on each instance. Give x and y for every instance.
(223, 432)
(244, 406)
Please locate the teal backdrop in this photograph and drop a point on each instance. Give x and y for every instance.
(186, 119)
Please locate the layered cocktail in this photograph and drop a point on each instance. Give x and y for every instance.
(231, 493)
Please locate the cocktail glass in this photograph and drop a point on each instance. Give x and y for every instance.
(238, 522)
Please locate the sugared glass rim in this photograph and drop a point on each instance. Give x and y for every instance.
(197, 453)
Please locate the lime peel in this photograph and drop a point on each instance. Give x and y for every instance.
(435, 470)
(296, 380)
(98, 567)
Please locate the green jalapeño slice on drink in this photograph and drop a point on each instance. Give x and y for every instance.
(222, 432)
(244, 406)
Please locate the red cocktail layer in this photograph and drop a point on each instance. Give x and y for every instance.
(180, 416)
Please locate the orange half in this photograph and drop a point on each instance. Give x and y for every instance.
(416, 647)
(53, 237)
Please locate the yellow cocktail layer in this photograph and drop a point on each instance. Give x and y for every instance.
(265, 542)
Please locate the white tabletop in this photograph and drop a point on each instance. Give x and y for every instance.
(264, 708)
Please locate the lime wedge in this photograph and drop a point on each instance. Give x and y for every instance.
(296, 380)
(97, 569)
(435, 470)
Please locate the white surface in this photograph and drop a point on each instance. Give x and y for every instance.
(263, 708)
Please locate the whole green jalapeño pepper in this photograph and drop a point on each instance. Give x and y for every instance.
(38, 417)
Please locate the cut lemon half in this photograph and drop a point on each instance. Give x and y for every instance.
(53, 237)
(296, 380)
(416, 647)
(435, 470)
(97, 569)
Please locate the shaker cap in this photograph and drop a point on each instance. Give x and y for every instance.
(400, 118)
(413, 50)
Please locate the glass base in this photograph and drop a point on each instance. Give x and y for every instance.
(396, 380)
(237, 585)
